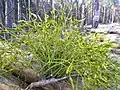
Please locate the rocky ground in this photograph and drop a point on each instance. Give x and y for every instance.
(111, 32)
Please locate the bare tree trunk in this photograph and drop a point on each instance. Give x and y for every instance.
(95, 5)
(113, 14)
(52, 4)
(19, 10)
(103, 14)
(83, 10)
(87, 14)
(2, 14)
(24, 9)
(109, 16)
(62, 3)
(107, 13)
(80, 10)
(82, 15)
(76, 8)
(29, 9)
(8, 15)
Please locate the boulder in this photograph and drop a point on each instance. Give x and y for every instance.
(27, 75)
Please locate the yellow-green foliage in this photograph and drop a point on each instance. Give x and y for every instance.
(59, 56)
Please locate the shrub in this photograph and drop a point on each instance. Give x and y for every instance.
(59, 48)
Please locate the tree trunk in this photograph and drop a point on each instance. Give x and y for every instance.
(95, 12)
(113, 14)
(77, 11)
(83, 15)
(8, 16)
(19, 10)
(107, 13)
(103, 14)
(2, 14)
(52, 4)
(29, 9)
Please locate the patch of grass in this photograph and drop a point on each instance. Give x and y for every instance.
(58, 48)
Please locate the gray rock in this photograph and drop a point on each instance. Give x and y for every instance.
(6, 84)
(116, 51)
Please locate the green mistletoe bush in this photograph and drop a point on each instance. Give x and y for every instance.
(57, 47)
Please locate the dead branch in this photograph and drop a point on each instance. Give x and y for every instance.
(46, 82)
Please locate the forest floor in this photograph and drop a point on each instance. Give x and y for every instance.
(106, 28)
(111, 32)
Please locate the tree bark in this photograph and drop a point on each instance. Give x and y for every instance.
(95, 12)
(8, 16)
(2, 14)
(29, 2)
(82, 15)
(113, 14)
(52, 4)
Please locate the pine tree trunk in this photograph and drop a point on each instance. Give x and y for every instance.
(8, 14)
(2, 14)
(83, 15)
(52, 4)
(113, 15)
(95, 12)
(19, 10)
(77, 11)
(29, 9)
(103, 14)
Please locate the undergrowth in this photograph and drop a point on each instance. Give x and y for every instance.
(56, 47)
